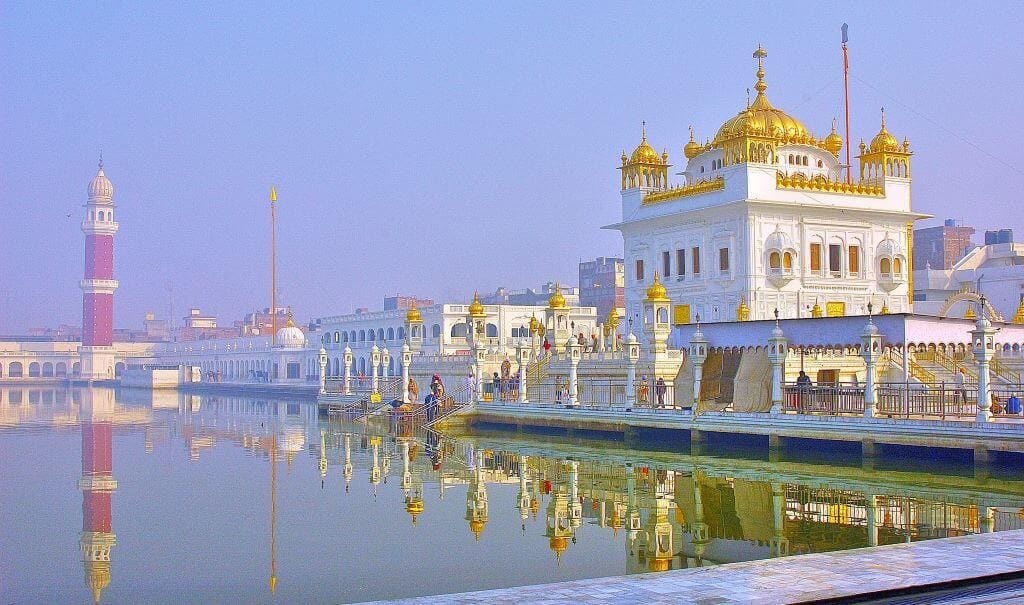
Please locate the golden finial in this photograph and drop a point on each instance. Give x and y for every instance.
(1018, 317)
(657, 292)
(743, 311)
(273, 194)
(692, 149)
(816, 310)
(970, 314)
(557, 301)
(643, 130)
(883, 118)
(413, 315)
(476, 308)
(760, 54)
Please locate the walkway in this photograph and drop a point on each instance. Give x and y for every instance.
(787, 580)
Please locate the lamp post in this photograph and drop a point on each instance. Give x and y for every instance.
(406, 362)
(347, 359)
(385, 362)
(871, 351)
(698, 354)
(983, 337)
(523, 357)
(574, 363)
(777, 356)
(632, 357)
(323, 371)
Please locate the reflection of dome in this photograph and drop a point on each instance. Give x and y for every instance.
(100, 186)
(559, 545)
(97, 577)
(477, 527)
(657, 291)
(659, 564)
(413, 316)
(557, 301)
(292, 440)
(414, 506)
(290, 336)
(476, 308)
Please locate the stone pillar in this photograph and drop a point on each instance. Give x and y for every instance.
(600, 338)
(374, 366)
(871, 351)
(777, 348)
(983, 339)
(573, 347)
(347, 359)
(986, 520)
(698, 355)
(523, 358)
(406, 362)
(323, 371)
(632, 357)
(385, 363)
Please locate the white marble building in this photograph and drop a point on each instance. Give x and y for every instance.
(766, 218)
(995, 271)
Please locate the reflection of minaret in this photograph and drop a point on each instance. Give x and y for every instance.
(476, 498)
(524, 494)
(273, 516)
(98, 284)
(97, 485)
(347, 469)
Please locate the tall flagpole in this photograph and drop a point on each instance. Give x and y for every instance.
(846, 101)
(273, 269)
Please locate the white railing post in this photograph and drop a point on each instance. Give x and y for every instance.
(871, 350)
(406, 362)
(523, 357)
(698, 355)
(983, 339)
(777, 348)
(347, 358)
(323, 370)
(574, 363)
(632, 356)
(374, 366)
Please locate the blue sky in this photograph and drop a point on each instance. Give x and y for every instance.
(436, 148)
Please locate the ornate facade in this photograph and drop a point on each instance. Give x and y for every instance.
(767, 217)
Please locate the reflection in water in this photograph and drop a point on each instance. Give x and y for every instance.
(658, 511)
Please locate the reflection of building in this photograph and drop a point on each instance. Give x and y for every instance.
(767, 217)
(97, 485)
(602, 284)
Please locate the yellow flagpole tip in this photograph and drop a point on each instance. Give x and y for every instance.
(273, 194)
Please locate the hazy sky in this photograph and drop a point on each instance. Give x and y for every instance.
(434, 148)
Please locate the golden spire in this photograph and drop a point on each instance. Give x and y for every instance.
(816, 310)
(413, 316)
(476, 308)
(970, 314)
(657, 292)
(692, 148)
(557, 301)
(884, 141)
(833, 142)
(743, 311)
(644, 153)
(290, 323)
(760, 87)
(1018, 317)
(613, 318)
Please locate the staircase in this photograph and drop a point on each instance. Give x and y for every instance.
(538, 387)
(915, 370)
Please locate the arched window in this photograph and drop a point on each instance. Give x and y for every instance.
(774, 261)
(435, 331)
(885, 267)
(362, 335)
(401, 332)
(787, 261)
(897, 266)
(391, 333)
(352, 336)
(371, 335)
(380, 333)
(492, 331)
(337, 336)
(15, 369)
(344, 336)
(459, 330)
(33, 369)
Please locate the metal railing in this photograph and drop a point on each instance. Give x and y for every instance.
(935, 401)
(388, 387)
(823, 399)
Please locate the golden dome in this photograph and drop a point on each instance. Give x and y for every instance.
(1018, 317)
(816, 310)
(833, 142)
(477, 526)
(693, 148)
(414, 506)
(557, 301)
(413, 316)
(884, 141)
(97, 577)
(559, 545)
(476, 308)
(657, 292)
(760, 118)
(644, 153)
(743, 311)
(969, 313)
(613, 318)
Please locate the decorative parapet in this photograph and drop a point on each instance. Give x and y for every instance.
(799, 182)
(698, 188)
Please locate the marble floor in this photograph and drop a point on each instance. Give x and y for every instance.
(787, 580)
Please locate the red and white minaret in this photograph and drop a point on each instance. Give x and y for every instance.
(97, 351)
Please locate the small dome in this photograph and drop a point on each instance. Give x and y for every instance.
(693, 148)
(778, 241)
(290, 336)
(760, 118)
(833, 142)
(884, 141)
(476, 308)
(557, 301)
(888, 247)
(413, 316)
(100, 186)
(657, 291)
(645, 154)
(477, 527)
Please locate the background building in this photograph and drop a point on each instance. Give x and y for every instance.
(602, 284)
(942, 246)
(531, 296)
(398, 301)
(995, 271)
